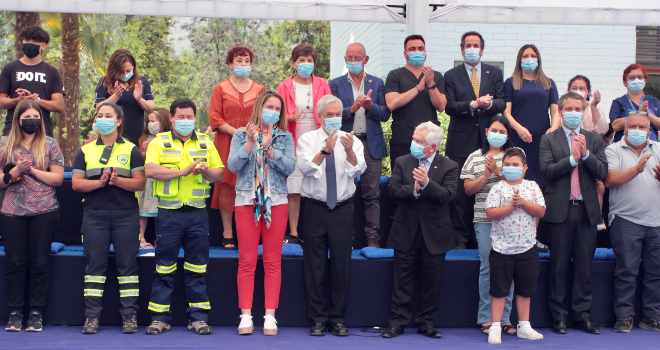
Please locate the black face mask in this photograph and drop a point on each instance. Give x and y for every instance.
(30, 126)
(31, 50)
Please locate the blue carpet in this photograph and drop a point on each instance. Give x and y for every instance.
(297, 338)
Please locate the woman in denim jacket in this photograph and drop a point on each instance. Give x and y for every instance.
(262, 155)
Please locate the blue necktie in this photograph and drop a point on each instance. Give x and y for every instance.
(331, 180)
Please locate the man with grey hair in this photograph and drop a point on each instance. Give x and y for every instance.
(424, 183)
(633, 179)
(363, 96)
(572, 160)
(330, 161)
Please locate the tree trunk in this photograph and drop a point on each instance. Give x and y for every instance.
(23, 20)
(67, 121)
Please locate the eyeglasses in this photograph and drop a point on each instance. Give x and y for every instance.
(633, 77)
(353, 59)
(636, 112)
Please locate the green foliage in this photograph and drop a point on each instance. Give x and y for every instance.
(652, 89)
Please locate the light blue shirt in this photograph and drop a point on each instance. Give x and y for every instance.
(478, 73)
(574, 162)
(427, 165)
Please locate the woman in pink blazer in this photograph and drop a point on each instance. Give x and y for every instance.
(301, 92)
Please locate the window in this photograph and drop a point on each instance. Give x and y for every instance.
(648, 49)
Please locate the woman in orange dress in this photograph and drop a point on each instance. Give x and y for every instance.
(231, 107)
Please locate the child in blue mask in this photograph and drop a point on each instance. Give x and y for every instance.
(513, 206)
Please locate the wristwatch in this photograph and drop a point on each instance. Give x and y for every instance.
(324, 152)
(433, 87)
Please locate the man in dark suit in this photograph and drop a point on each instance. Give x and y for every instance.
(572, 160)
(364, 96)
(475, 94)
(425, 183)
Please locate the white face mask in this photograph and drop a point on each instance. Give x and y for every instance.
(581, 93)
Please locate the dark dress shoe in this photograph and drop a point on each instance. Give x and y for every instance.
(430, 333)
(587, 326)
(392, 332)
(339, 330)
(559, 327)
(317, 330)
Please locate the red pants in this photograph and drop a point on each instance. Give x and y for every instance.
(248, 246)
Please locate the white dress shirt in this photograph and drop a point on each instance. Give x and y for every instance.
(314, 183)
(360, 120)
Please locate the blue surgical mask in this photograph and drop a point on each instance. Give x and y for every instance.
(269, 117)
(417, 150)
(184, 126)
(512, 173)
(417, 58)
(636, 86)
(126, 77)
(496, 140)
(572, 119)
(636, 137)
(105, 125)
(332, 123)
(529, 64)
(472, 55)
(242, 71)
(305, 69)
(354, 67)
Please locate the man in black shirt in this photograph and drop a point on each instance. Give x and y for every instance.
(31, 78)
(414, 94)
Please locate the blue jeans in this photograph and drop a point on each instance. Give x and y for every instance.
(482, 230)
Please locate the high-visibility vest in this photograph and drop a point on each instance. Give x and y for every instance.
(120, 158)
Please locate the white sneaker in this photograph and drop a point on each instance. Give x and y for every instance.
(495, 335)
(527, 332)
(270, 325)
(246, 326)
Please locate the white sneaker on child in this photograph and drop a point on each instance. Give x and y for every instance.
(527, 332)
(246, 326)
(495, 335)
(270, 325)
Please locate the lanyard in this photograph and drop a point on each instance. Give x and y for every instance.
(632, 106)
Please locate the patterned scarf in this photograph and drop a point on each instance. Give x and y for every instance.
(261, 198)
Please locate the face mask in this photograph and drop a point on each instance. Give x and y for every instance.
(417, 58)
(31, 50)
(636, 137)
(105, 125)
(572, 119)
(242, 71)
(269, 117)
(332, 123)
(417, 150)
(529, 64)
(184, 126)
(305, 69)
(581, 93)
(354, 67)
(496, 140)
(126, 77)
(472, 55)
(30, 126)
(512, 173)
(154, 128)
(636, 86)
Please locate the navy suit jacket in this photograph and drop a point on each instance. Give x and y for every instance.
(341, 88)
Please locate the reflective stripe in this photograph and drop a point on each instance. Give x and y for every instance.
(123, 172)
(128, 279)
(93, 292)
(201, 192)
(171, 152)
(197, 203)
(129, 293)
(198, 153)
(158, 307)
(169, 204)
(205, 181)
(165, 137)
(95, 279)
(166, 187)
(78, 171)
(93, 172)
(165, 269)
(205, 305)
(140, 168)
(194, 268)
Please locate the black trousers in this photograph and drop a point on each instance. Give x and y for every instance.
(100, 229)
(27, 246)
(462, 213)
(370, 186)
(396, 151)
(326, 228)
(574, 238)
(406, 265)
